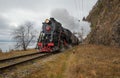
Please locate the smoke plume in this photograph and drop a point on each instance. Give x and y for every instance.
(63, 16)
(70, 22)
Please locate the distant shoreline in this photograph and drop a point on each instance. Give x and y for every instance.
(7, 41)
(6, 46)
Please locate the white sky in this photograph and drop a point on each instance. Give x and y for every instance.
(16, 12)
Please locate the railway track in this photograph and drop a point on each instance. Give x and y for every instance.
(10, 62)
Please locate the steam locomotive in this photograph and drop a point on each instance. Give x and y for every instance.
(54, 37)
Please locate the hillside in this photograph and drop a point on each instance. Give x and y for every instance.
(105, 23)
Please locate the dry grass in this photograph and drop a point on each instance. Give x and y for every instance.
(86, 61)
(15, 53)
(91, 61)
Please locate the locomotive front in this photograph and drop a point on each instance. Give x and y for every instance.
(48, 40)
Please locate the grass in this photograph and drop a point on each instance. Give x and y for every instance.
(52, 69)
(86, 61)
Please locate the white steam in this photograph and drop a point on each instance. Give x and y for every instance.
(70, 22)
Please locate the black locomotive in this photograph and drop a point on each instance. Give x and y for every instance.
(54, 37)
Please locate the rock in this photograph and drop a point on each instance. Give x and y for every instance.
(105, 23)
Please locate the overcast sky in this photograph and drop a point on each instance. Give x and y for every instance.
(16, 12)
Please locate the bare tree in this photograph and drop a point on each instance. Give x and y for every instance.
(80, 34)
(24, 35)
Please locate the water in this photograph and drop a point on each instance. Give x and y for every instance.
(7, 46)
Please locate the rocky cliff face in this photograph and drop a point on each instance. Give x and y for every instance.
(105, 23)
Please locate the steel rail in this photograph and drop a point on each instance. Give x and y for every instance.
(23, 61)
(15, 57)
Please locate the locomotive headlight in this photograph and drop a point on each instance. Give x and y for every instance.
(47, 21)
(48, 28)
